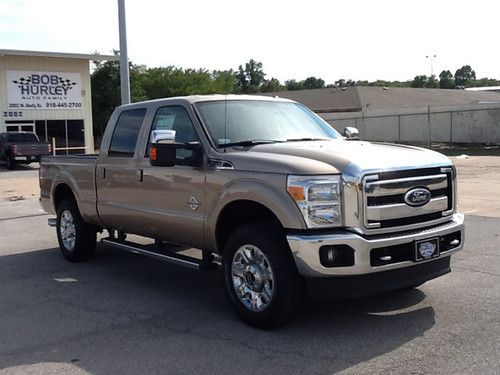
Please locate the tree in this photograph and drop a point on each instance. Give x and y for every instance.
(431, 82)
(224, 81)
(292, 85)
(419, 81)
(313, 83)
(271, 85)
(340, 82)
(446, 80)
(250, 79)
(464, 75)
(105, 87)
(482, 82)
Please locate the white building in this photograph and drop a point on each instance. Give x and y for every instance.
(49, 94)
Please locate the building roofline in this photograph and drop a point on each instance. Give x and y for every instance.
(81, 56)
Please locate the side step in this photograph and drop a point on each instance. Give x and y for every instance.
(165, 256)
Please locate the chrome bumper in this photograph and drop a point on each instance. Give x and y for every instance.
(305, 248)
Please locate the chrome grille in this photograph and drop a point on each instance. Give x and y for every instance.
(384, 204)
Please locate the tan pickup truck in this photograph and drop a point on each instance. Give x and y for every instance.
(265, 189)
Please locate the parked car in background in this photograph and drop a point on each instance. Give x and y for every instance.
(21, 148)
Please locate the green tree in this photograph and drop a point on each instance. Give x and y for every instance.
(483, 82)
(419, 81)
(446, 80)
(105, 87)
(271, 85)
(224, 81)
(464, 75)
(292, 85)
(313, 83)
(340, 82)
(431, 82)
(249, 79)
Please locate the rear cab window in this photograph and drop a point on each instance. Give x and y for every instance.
(126, 133)
(22, 138)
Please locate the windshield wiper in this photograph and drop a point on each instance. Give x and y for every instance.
(249, 142)
(307, 139)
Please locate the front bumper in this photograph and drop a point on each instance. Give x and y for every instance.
(306, 248)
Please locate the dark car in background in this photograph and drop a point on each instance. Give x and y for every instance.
(21, 148)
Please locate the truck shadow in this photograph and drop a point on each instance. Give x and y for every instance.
(19, 167)
(122, 313)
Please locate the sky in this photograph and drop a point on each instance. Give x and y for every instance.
(349, 39)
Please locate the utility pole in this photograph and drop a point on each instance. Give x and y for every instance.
(431, 58)
(124, 73)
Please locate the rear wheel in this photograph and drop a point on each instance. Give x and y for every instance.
(262, 282)
(10, 162)
(77, 239)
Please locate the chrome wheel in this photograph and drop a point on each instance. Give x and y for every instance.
(252, 277)
(67, 230)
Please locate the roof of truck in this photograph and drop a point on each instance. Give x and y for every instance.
(208, 98)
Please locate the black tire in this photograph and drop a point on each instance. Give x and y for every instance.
(10, 162)
(288, 286)
(411, 287)
(84, 235)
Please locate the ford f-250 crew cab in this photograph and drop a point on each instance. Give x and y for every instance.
(264, 187)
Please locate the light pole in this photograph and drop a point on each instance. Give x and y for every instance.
(431, 58)
(124, 73)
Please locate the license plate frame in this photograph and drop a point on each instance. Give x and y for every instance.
(424, 246)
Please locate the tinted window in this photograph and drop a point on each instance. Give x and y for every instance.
(23, 137)
(126, 133)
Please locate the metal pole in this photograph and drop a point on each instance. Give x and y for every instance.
(124, 73)
(429, 140)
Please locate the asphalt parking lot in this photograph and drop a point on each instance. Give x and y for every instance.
(122, 313)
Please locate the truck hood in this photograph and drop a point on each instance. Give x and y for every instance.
(349, 157)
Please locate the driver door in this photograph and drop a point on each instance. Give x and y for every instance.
(172, 198)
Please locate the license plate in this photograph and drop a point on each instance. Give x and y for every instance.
(426, 249)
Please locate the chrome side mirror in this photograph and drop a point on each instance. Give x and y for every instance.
(351, 133)
(162, 150)
(162, 136)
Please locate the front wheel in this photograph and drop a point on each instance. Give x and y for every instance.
(77, 239)
(262, 281)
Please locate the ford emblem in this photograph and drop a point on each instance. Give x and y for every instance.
(417, 197)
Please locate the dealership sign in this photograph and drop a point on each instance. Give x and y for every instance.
(43, 90)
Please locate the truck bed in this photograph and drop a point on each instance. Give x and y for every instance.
(77, 170)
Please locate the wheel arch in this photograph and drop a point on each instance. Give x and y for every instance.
(240, 212)
(62, 191)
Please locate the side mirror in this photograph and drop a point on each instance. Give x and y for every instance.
(351, 133)
(162, 149)
(163, 136)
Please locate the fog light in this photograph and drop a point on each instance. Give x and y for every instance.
(336, 256)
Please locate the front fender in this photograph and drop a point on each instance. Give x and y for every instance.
(276, 200)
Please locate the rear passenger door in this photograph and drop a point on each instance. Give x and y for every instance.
(117, 199)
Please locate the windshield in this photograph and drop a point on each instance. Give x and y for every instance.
(23, 137)
(239, 121)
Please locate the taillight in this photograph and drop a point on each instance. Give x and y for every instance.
(14, 149)
(50, 149)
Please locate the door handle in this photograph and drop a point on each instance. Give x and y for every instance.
(140, 175)
(103, 173)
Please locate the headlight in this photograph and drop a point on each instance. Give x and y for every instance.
(318, 198)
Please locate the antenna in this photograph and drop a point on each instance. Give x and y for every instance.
(225, 121)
